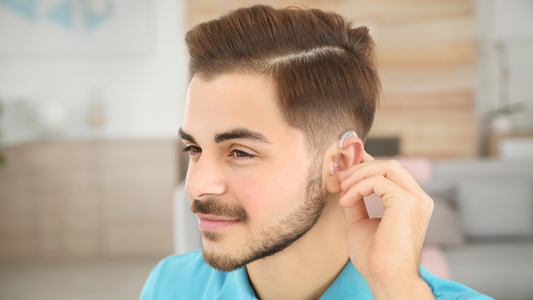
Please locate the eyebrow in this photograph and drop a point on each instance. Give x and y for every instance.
(241, 133)
(237, 133)
(185, 136)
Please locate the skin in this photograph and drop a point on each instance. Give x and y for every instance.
(271, 184)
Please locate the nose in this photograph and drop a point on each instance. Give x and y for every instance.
(204, 179)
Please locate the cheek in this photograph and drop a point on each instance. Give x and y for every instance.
(251, 191)
(264, 196)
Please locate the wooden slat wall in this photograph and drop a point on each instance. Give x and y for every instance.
(426, 55)
(87, 199)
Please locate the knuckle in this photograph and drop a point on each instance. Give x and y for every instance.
(411, 198)
(431, 204)
(394, 164)
(427, 205)
(411, 202)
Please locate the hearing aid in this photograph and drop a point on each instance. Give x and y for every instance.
(347, 134)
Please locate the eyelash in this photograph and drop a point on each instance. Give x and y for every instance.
(189, 148)
(245, 155)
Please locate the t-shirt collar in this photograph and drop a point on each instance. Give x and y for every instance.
(350, 284)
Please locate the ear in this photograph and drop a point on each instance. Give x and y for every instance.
(350, 154)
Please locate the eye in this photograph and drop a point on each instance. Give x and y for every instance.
(192, 150)
(238, 154)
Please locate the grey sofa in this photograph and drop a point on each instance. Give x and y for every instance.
(494, 203)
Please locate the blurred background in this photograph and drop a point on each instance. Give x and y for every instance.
(91, 99)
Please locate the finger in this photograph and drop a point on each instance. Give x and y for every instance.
(348, 172)
(366, 158)
(383, 187)
(389, 169)
(356, 212)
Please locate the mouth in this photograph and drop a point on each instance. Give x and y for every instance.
(210, 222)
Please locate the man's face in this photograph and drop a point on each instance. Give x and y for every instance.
(251, 182)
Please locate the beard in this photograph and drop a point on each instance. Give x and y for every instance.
(271, 240)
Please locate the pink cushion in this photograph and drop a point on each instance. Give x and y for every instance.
(434, 259)
(420, 168)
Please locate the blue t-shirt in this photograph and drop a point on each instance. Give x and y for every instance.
(187, 276)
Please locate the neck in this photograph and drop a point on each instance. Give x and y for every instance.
(308, 267)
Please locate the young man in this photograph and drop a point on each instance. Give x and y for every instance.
(278, 199)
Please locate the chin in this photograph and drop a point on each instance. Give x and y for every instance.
(223, 255)
(220, 243)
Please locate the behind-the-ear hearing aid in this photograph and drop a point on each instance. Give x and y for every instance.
(348, 133)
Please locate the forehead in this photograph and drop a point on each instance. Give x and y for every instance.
(234, 101)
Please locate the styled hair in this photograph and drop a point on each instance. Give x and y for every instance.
(323, 70)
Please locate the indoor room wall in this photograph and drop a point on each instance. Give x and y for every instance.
(141, 91)
(426, 52)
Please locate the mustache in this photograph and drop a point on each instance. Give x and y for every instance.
(216, 207)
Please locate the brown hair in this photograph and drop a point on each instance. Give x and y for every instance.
(322, 68)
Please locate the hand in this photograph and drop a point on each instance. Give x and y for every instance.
(386, 251)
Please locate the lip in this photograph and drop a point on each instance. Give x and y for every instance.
(210, 222)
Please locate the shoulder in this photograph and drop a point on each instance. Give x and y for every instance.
(183, 276)
(449, 290)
